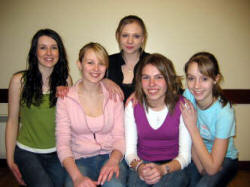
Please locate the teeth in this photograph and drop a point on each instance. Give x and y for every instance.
(152, 91)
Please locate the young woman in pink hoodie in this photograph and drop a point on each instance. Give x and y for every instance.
(90, 126)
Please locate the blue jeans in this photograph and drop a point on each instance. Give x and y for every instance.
(222, 178)
(176, 179)
(39, 170)
(91, 168)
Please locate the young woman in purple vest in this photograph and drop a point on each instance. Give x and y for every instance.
(209, 118)
(158, 145)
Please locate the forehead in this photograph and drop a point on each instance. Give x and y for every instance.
(46, 40)
(193, 69)
(132, 27)
(150, 69)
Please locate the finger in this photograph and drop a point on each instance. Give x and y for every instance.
(104, 178)
(110, 175)
(153, 181)
(114, 96)
(17, 174)
(117, 172)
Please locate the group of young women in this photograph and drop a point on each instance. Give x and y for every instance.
(86, 138)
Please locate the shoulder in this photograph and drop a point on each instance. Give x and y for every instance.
(16, 80)
(129, 107)
(144, 54)
(226, 111)
(114, 57)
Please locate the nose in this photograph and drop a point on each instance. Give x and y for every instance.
(130, 39)
(96, 67)
(48, 51)
(151, 82)
(197, 84)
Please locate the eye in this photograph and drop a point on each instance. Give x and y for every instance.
(90, 62)
(124, 35)
(189, 78)
(159, 77)
(102, 63)
(42, 47)
(55, 47)
(144, 77)
(204, 78)
(137, 36)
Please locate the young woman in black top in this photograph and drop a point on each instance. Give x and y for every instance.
(131, 35)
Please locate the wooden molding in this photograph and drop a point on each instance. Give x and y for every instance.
(3, 95)
(236, 96)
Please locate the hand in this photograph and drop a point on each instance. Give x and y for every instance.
(111, 167)
(151, 173)
(15, 170)
(62, 91)
(133, 99)
(83, 181)
(189, 114)
(113, 89)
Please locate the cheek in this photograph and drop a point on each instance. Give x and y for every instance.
(189, 84)
(209, 86)
(144, 84)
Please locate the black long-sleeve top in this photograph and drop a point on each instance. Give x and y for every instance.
(114, 72)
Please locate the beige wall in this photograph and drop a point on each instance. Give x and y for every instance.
(176, 28)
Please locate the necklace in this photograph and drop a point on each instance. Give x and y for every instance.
(130, 69)
(209, 105)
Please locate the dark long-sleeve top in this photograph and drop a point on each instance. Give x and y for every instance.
(115, 74)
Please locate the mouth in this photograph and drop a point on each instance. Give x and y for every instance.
(95, 75)
(197, 92)
(153, 91)
(49, 59)
(129, 47)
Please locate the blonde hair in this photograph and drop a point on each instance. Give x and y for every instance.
(98, 49)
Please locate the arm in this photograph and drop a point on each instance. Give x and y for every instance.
(185, 143)
(63, 145)
(211, 162)
(112, 165)
(130, 135)
(78, 179)
(153, 172)
(62, 91)
(12, 125)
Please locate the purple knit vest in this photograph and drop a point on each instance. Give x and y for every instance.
(159, 144)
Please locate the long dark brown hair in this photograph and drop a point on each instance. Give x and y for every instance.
(32, 77)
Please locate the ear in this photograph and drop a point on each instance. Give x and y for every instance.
(79, 65)
(217, 78)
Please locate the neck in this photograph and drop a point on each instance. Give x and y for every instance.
(46, 72)
(131, 59)
(203, 105)
(89, 87)
(156, 105)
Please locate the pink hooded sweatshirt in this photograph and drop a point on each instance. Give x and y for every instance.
(80, 136)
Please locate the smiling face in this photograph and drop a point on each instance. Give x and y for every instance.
(201, 86)
(153, 84)
(131, 38)
(92, 66)
(47, 52)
